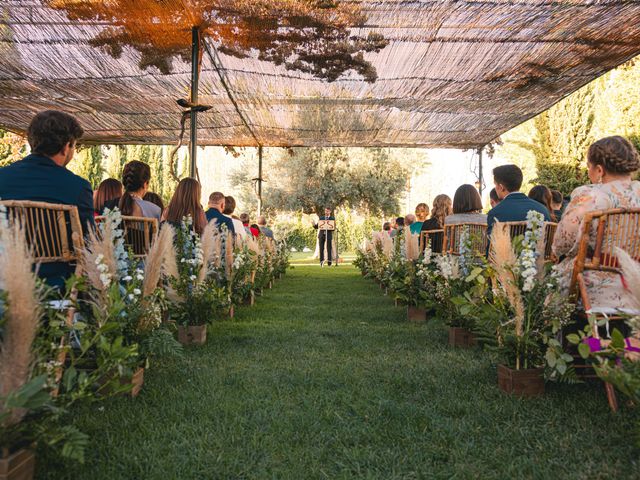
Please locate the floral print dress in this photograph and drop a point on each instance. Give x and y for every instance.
(605, 289)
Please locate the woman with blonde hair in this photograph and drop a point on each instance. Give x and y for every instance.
(186, 202)
(422, 211)
(442, 208)
(611, 164)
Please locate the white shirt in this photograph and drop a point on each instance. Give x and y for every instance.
(238, 227)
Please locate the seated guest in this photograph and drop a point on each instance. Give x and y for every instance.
(229, 208)
(542, 194)
(557, 204)
(467, 206)
(262, 225)
(493, 198)
(422, 212)
(441, 209)
(42, 176)
(386, 227)
(245, 219)
(611, 163)
(255, 230)
(109, 190)
(217, 203)
(514, 206)
(135, 178)
(186, 202)
(155, 199)
(409, 219)
(398, 228)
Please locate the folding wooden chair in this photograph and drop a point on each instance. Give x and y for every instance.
(54, 233)
(139, 233)
(614, 228)
(477, 233)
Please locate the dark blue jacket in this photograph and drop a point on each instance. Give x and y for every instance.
(221, 219)
(514, 208)
(38, 178)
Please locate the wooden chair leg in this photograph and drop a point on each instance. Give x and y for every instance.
(611, 397)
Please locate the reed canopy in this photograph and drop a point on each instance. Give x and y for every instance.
(429, 73)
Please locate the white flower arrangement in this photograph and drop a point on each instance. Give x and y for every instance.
(449, 266)
(527, 261)
(114, 217)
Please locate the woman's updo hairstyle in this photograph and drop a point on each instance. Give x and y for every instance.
(615, 154)
(134, 176)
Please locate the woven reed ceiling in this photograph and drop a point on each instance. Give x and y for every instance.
(453, 74)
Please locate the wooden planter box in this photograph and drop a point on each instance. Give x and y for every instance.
(19, 465)
(522, 383)
(136, 380)
(192, 335)
(461, 338)
(416, 314)
(250, 299)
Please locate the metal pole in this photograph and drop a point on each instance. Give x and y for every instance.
(480, 175)
(260, 180)
(195, 80)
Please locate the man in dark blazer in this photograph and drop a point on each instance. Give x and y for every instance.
(42, 176)
(325, 238)
(214, 212)
(514, 206)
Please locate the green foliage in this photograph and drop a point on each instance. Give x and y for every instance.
(12, 147)
(87, 163)
(308, 179)
(556, 141)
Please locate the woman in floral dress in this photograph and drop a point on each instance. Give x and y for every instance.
(611, 163)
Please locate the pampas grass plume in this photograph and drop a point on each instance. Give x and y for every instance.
(160, 252)
(503, 260)
(23, 315)
(631, 272)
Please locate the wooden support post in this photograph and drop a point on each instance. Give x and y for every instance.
(195, 80)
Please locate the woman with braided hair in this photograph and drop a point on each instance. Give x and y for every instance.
(611, 163)
(135, 179)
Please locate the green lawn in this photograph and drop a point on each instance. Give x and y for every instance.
(324, 378)
(303, 258)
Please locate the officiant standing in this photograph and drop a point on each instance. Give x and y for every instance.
(325, 226)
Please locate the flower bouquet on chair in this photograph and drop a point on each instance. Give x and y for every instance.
(529, 312)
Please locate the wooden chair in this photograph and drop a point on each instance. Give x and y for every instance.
(436, 237)
(453, 234)
(519, 228)
(614, 228)
(139, 233)
(54, 233)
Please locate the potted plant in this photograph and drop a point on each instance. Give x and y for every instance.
(196, 289)
(529, 311)
(29, 414)
(123, 326)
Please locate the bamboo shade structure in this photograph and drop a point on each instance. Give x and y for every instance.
(453, 73)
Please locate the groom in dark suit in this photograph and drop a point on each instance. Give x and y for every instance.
(325, 238)
(42, 176)
(514, 206)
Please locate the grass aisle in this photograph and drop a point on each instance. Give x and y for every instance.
(325, 379)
